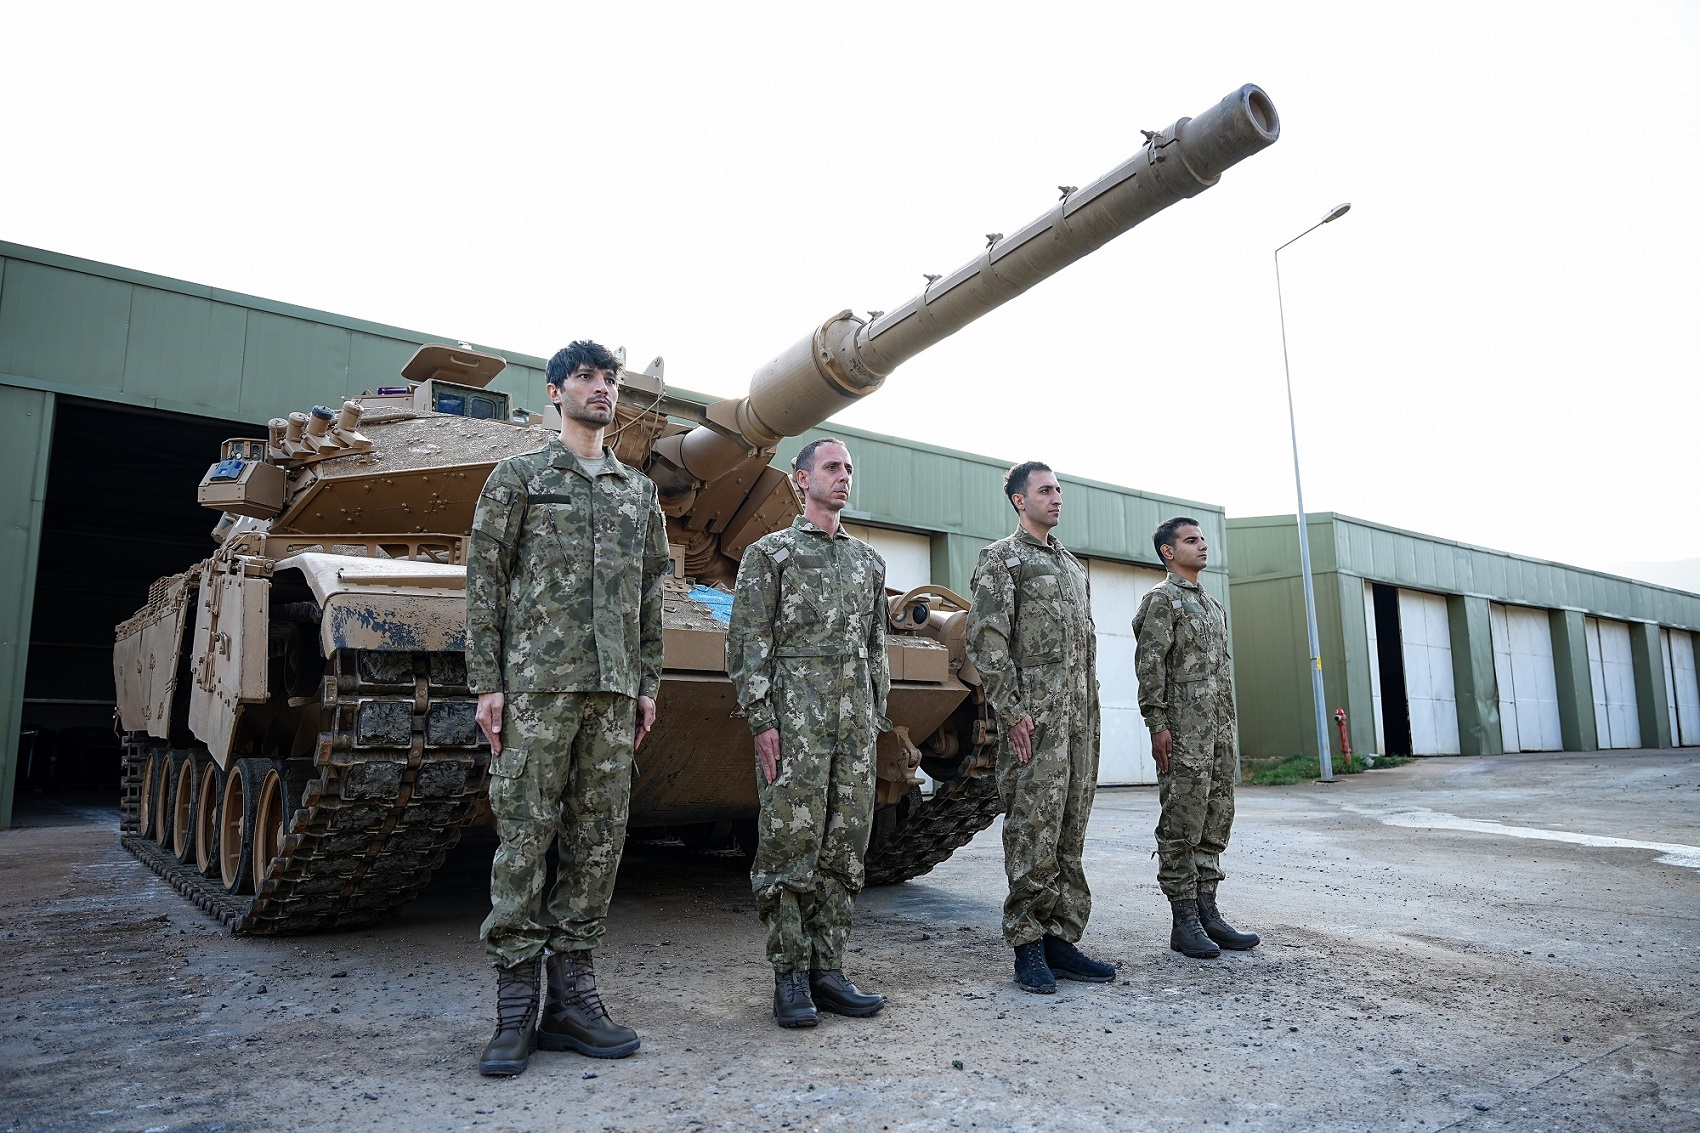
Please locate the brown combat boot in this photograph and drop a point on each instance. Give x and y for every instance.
(574, 1017)
(509, 1049)
(1187, 936)
(1219, 930)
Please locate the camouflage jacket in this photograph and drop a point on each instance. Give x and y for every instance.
(1180, 656)
(563, 578)
(805, 598)
(1030, 630)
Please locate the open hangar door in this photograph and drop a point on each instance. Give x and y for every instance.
(1411, 665)
(1124, 750)
(1682, 685)
(1528, 684)
(119, 513)
(1611, 671)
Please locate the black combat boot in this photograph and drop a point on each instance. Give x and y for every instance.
(573, 1015)
(793, 1006)
(832, 992)
(1069, 963)
(1187, 937)
(1031, 971)
(1219, 930)
(509, 1049)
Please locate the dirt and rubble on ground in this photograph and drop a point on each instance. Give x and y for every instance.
(1456, 944)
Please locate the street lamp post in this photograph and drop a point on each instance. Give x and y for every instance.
(1324, 756)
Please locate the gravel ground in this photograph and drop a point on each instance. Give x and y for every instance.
(1472, 944)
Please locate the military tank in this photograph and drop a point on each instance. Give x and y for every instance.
(300, 742)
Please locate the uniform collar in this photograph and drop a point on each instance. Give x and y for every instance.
(1054, 544)
(1179, 581)
(802, 524)
(566, 461)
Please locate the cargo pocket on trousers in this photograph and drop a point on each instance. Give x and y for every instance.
(509, 765)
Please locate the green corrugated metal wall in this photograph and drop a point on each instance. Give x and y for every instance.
(958, 498)
(74, 327)
(1273, 681)
(26, 435)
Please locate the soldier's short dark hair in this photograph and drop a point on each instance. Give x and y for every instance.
(1165, 535)
(584, 352)
(1015, 480)
(805, 457)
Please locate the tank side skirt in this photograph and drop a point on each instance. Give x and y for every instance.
(395, 780)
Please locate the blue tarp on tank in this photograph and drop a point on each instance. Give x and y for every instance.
(719, 602)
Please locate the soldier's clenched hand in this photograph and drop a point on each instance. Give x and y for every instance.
(1162, 745)
(645, 720)
(767, 754)
(490, 719)
(1021, 738)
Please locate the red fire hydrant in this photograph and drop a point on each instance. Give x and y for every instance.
(1345, 741)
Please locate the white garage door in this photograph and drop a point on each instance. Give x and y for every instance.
(908, 556)
(1124, 754)
(1684, 687)
(1528, 686)
(1425, 636)
(1669, 670)
(1611, 669)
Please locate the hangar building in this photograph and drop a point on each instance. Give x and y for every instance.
(116, 388)
(1439, 648)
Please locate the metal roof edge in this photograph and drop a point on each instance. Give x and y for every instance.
(1337, 517)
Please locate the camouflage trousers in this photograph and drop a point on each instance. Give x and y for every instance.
(1046, 803)
(1197, 795)
(815, 820)
(564, 777)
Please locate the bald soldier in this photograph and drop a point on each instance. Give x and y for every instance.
(1187, 699)
(1030, 635)
(806, 650)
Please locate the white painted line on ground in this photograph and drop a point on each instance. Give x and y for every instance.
(1418, 817)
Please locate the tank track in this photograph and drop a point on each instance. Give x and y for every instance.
(935, 828)
(396, 778)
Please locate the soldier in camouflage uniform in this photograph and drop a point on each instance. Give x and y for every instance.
(563, 647)
(806, 651)
(1187, 699)
(1030, 635)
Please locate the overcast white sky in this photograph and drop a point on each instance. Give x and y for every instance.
(1496, 345)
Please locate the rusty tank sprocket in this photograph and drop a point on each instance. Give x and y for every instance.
(395, 778)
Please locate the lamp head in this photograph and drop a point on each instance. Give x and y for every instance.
(1337, 212)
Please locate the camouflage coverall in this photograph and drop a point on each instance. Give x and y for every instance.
(1181, 659)
(806, 650)
(563, 616)
(1030, 634)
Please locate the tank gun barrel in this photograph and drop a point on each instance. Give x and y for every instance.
(847, 358)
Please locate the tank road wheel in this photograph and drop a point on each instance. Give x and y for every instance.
(148, 815)
(208, 797)
(272, 810)
(186, 780)
(236, 824)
